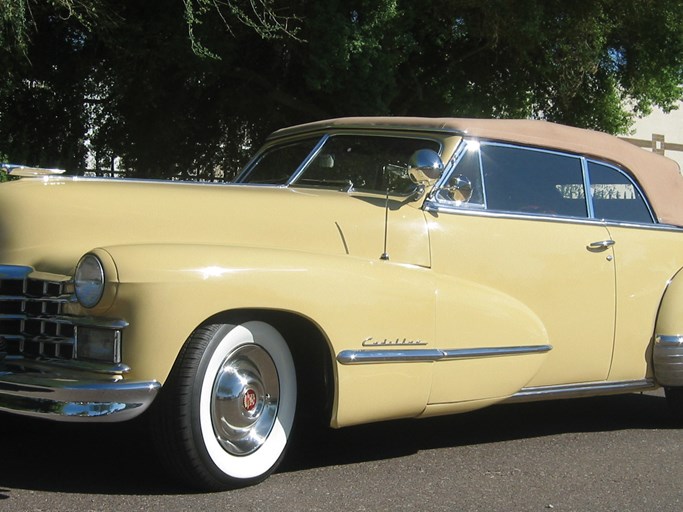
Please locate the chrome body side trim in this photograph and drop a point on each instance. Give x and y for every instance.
(71, 395)
(667, 358)
(348, 357)
(583, 389)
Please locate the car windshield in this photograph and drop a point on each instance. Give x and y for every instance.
(368, 163)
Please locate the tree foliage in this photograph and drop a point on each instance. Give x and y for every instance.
(187, 88)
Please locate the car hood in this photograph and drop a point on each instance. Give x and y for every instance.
(49, 223)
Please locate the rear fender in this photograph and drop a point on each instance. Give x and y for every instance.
(667, 349)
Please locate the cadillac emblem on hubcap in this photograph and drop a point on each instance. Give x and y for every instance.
(249, 400)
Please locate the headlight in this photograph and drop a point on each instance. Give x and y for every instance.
(89, 281)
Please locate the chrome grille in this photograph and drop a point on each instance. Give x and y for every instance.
(31, 314)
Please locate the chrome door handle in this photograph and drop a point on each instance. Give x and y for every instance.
(602, 244)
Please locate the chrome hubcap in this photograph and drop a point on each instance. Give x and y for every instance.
(244, 400)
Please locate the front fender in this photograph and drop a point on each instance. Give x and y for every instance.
(166, 291)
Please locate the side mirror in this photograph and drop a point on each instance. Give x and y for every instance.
(425, 166)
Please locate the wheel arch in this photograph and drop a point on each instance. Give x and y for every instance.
(311, 352)
(667, 343)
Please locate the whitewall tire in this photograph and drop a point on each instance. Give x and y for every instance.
(226, 414)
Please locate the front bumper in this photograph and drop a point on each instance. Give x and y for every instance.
(63, 394)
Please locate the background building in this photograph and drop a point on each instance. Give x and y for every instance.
(662, 133)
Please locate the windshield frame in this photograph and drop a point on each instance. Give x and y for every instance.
(430, 138)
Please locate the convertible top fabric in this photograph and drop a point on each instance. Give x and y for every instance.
(659, 176)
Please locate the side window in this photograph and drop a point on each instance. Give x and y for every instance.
(533, 181)
(615, 197)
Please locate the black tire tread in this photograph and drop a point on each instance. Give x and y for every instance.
(171, 423)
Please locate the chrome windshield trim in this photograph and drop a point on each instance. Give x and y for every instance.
(371, 356)
(311, 156)
(583, 389)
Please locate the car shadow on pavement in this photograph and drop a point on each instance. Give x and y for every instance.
(490, 425)
(118, 458)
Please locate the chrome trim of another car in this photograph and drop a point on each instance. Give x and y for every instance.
(348, 357)
(72, 395)
(28, 171)
(583, 389)
(667, 359)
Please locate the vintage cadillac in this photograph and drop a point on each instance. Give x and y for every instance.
(358, 270)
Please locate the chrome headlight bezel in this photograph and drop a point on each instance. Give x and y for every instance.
(89, 281)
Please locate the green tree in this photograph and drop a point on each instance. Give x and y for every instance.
(185, 89)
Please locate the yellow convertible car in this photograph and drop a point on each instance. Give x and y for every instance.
(358, 270)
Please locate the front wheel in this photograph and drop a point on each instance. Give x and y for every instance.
(225, 415)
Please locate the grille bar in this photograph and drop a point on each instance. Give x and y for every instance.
(32, 322)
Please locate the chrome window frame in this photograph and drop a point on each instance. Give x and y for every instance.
(590, 208)
(449, 169)
(433, 204)
(632, 181)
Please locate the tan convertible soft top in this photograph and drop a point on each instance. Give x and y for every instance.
(659, 177)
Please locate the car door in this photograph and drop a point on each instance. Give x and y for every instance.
(646, 256)
(521, 267)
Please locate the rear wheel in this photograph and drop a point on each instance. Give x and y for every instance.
(225, 415)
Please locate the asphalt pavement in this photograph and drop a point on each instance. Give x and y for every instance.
(621, 453)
